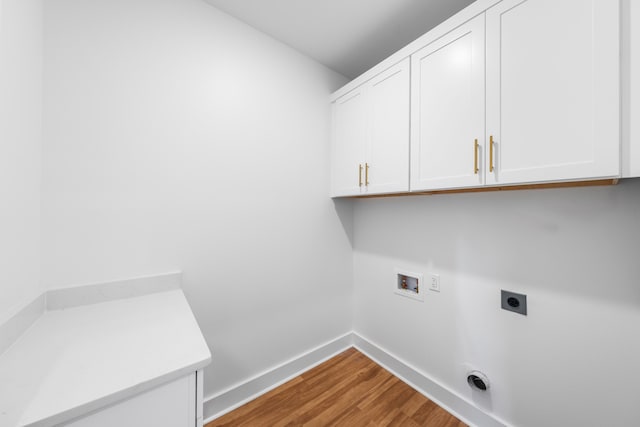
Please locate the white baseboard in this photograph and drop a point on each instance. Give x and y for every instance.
(451, 401)
(226, 401)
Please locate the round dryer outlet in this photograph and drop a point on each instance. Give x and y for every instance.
(478, 381)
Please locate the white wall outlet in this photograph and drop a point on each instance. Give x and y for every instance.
(434, 283)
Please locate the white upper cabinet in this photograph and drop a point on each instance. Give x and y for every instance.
(552, 90)
(389, 118)
(349, 143)
(370, 150)
(448, 110)
(504, 93)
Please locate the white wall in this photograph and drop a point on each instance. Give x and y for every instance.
(20, 152)
(180, 138)
(573, 360)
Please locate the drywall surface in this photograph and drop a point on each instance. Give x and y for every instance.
(178, 138)
(20, 153)
(574, 252)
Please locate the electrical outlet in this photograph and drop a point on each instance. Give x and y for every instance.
(434, 285)
(512, 301)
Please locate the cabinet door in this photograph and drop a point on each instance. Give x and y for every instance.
(169, 405)
(388, 101)
(553, 90)
(448, 107)
(349, 142)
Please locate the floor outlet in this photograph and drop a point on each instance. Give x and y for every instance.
(435, 283)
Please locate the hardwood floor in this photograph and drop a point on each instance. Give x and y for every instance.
(347, 390)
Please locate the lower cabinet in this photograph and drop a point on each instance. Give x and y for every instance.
(175, 404)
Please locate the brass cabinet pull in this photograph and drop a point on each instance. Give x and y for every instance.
(475, 157)
(491, 153)
(366, 174)
(360, 175)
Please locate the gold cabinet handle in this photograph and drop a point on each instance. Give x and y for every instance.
(360, 175)
(491, 154)
(475, 157)
(366, 174)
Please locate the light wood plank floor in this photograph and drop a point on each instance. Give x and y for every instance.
(347, 390)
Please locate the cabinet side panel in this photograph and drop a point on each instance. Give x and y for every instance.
(199, 398)
(630, 21)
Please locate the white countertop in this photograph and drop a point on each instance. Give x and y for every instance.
(76, 360)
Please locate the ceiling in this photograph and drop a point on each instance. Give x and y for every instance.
(348, 36)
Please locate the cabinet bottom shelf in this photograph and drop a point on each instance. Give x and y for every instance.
(594, 183)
